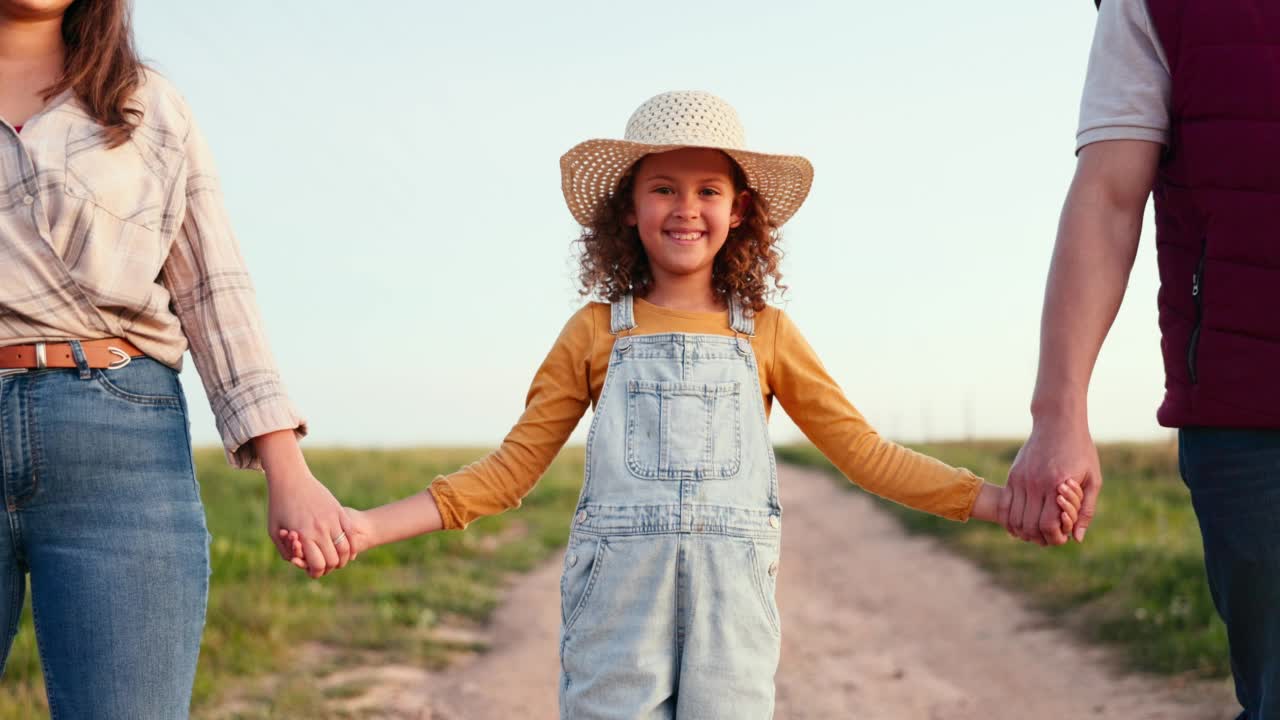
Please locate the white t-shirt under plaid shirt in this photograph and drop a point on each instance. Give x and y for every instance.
(134, 242)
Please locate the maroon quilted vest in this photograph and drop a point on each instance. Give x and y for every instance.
(1217, 207)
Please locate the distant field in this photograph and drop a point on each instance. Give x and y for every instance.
(264, 616)
(1138, 579)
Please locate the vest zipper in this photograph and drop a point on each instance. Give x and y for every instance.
(1197, 297)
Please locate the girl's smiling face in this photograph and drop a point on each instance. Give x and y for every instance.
(684, 205)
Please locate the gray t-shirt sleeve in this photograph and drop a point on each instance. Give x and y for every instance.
(1127, 87)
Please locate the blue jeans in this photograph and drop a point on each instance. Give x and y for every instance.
(1234, 477)
(101, 507)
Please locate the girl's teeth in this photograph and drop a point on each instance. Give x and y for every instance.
(686, 236)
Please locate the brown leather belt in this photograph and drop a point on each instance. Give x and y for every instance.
(104, 353)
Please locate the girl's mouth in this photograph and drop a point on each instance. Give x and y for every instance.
(684, 238)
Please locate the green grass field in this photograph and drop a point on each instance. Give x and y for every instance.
(265, 615)
(1137, 581)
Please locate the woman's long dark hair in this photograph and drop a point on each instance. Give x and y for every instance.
(101, 67)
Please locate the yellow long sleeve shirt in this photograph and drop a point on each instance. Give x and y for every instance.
(572, 376)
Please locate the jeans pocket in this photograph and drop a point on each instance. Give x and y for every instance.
(683, 430)
(582, 565)
(142, 382)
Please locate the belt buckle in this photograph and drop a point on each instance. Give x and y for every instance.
(42, 359)
(124, 358)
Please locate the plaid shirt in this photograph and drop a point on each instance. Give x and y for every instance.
(134, 242)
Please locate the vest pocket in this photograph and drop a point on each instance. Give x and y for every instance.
(683, 430)
(1197, 297)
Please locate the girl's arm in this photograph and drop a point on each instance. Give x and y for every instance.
(819, 407)
(365, 529)
(557, 399)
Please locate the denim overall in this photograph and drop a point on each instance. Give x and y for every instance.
(667, 597)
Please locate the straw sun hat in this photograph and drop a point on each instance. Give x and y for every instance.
(591, 171)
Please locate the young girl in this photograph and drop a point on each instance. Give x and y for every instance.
(668, 587)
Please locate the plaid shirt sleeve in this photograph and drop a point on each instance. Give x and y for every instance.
(213, 298)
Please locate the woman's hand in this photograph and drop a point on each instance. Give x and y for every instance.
(359, 533)
(297, 501)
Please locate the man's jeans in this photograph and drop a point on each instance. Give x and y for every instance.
(1234, 477)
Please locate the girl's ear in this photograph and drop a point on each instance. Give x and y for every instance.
(740, 206)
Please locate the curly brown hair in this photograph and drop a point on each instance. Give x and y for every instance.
(613, 262)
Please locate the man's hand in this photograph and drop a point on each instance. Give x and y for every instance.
(1054, 454)
(1097, 242)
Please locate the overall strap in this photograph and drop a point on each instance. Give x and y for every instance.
(741, 319)
(622, 316)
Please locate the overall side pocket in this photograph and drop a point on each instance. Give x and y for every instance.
(582, 565)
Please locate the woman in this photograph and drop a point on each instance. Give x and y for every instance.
(115, 257)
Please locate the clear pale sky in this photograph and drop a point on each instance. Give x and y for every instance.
(391, 171)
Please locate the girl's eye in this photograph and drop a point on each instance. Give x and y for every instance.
(663, 190)
(710, 191)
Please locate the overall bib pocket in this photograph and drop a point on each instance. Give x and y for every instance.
(683, 430)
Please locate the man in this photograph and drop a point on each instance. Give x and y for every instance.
(1182, 102)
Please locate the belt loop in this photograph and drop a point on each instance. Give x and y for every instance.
(82, 364)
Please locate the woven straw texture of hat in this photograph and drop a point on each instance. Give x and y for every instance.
(591, 171)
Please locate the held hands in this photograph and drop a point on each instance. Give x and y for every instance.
(1067, 502)
(407, 517)
(1055, 452)
(357, 536)
(1068, 499)
(298, 501)
(304, 503)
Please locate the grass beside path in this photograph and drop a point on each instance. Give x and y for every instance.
(1138, 579)
(264, 614)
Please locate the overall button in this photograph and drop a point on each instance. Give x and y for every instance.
(774, 521)
(573, 560)
(773, 569)
(582, 516)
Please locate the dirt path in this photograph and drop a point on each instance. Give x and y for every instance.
(876, 624)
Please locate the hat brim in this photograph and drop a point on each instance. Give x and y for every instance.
(591, 170)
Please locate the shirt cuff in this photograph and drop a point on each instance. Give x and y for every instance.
(965, 502)
(261, 409)
(447, 503)
(1121, 132)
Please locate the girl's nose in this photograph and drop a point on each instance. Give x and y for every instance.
(687, 207)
